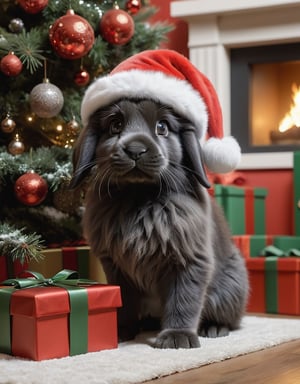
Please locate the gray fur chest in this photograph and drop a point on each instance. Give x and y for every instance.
(145, 239)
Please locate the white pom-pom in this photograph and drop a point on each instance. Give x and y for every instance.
(222, 155)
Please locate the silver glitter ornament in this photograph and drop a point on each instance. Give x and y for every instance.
(46, 99)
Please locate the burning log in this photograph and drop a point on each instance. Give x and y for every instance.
(290, 136)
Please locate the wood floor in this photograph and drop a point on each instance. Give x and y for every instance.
(277, 365)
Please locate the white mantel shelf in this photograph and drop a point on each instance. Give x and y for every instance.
(216, 26)
(196, 8)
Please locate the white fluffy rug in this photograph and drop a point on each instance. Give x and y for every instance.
(137, 361)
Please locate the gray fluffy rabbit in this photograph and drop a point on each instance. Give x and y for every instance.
(148, 215)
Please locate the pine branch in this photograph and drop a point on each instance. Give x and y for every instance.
(86, 9)
(27, 46)
(53, 164)
(16, 244)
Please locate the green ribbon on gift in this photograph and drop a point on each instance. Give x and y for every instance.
(271, 250)
(272, 253)
(5, 331)
(78, 319)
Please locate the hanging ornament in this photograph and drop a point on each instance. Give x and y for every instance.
(46, 99)
(117, 26)
(133, 6)
(11, 65)
(71, 36)
(71, 133)
(99, 71)
(16, 25)
(73, 126)
(82, 77)
(8, 124)
(31, 189)
(16, 146)
(33, 6)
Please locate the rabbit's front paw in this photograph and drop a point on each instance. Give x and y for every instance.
(177, 338)
(213, 330)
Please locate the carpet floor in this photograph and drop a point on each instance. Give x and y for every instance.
(136, 361)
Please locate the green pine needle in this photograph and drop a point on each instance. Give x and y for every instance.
(16, 244)
(28, 47)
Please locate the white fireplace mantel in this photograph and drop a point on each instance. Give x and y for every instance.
(216, 26)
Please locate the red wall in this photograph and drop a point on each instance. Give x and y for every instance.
(178, 38)
(279, 202)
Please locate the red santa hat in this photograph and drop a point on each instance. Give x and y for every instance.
(171, 79)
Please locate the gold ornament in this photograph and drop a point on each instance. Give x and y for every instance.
(16, 146)
(73, 126)
(8, 124)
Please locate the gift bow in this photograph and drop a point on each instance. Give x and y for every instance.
(78, 319)
(62, 278)
(271, 250)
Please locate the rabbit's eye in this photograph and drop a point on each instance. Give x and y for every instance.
(161, 128)
(116, 126)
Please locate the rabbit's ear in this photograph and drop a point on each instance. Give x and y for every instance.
(83, 156)
(193, 150)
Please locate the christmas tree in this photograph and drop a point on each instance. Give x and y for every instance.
(50, 51)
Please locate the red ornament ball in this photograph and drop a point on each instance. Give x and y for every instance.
(117, 26)
(11, 65)
(33, 6)
(71, 36)
(31, 189)
(82, 78)
(133, 6)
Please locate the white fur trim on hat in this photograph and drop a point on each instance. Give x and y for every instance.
(139, 84)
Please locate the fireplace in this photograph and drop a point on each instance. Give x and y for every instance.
(265, 97)
(266, 35)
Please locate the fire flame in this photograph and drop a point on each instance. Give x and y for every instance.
(292, 118)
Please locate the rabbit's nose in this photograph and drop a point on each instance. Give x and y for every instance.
(135, 150)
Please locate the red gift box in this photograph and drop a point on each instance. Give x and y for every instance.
(274, 285)
(289, 286)
(252, 245)
(40, 321)
(9, 268)
(256, 275)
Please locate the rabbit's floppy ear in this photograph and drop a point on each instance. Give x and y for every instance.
(83, 155)
(193, 151)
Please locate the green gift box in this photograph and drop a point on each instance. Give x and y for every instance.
(271, 284)
(57, 317)
(244, 208)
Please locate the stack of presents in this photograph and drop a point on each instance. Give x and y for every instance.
(273, 262)
(53, 301)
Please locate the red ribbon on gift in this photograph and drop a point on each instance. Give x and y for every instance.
(249, 211)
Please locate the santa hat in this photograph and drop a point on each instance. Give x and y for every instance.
(171, 79)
